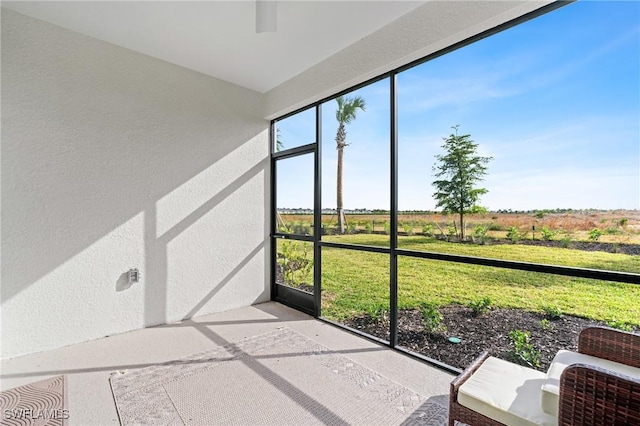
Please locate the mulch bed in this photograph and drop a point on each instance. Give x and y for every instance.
(631, 249)
(488, 332)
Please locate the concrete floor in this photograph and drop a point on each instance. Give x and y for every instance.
(89, 365)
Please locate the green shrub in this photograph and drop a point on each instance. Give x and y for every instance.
(545, 324)
(623, 222)
(387, 228)
(301, 228)
(565, 241)
(408, 228)
(451, 231)
(283, 228)
(514, 234)
(547, 234)
(480, 306)
(368, 228)
(296, 262)
(613, 231)
(595, 234)
(552, 312)
(540, 215)
(432, 318)
(351, 227)
(523, 350)
(428, 230)
(480, 234)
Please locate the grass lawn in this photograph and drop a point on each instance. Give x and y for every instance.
(356, 282)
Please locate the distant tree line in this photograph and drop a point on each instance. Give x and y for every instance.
(300, 210)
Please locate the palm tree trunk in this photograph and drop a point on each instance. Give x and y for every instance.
(340, 138)
(340, 206)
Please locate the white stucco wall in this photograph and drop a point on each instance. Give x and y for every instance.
(114, 160)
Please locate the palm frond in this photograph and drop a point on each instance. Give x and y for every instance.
(279, 143)
(348, 108)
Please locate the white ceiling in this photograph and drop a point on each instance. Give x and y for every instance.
(218, 38)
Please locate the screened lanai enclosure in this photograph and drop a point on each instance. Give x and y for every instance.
(539, 242)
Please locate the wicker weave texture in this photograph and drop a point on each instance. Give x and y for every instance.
(611, 344)
(593, 396)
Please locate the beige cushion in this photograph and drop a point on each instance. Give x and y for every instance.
(550, 395)
(506, 392)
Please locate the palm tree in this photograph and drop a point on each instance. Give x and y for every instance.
(345, 114)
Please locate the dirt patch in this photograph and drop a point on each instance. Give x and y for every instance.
(632, 249)
(488, 332)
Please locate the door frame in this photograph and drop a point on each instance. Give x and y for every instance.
(292, 297)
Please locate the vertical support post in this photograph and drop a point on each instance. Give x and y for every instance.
(393, 264)
(317, 216)
(272, 210)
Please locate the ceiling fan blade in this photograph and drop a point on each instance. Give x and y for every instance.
(266, 16)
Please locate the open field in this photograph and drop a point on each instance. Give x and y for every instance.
(616, 226)
(518, 252)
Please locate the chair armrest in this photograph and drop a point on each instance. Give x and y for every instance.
(609, 343)
(459, 413)
(468, 372)
(591, 395)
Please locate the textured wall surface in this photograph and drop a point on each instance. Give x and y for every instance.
(421, 32)
(114, 160)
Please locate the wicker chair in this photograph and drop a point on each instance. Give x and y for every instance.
(588, 395)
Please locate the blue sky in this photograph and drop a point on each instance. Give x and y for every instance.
(555, 101)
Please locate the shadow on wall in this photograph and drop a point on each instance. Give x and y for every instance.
(66, 189)
(123, 282)
(108, 154)
(231, 228)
